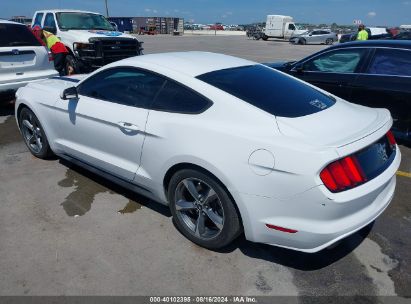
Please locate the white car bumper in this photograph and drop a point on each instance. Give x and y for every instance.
(319, 221)
(21, 80)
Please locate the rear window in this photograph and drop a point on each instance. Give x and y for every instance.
(269, 90)
(16, 35)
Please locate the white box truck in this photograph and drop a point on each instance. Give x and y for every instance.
(279, 26)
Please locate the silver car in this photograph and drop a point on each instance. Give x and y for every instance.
(315, 37)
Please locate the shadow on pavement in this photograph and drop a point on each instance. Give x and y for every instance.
(7, 109)
(300, 260)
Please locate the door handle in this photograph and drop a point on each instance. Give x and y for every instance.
(128, 126)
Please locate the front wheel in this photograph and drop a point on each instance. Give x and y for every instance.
(202, 209)
(303, 41)
(72, 65)
(33, 134)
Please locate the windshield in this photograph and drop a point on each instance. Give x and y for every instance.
(299, 27)
(83, 21)
(16, 35)
(269, 90)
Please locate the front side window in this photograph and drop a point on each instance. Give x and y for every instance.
(127, 86)
(83, 21)
(16, 35)
(49, 21)
(291, 27)
(391, 62)
(37, 20)
(339, 61)
(174, 97)
(269, 90)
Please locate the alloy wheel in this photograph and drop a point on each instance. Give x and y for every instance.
(32, 132)
(199, 208)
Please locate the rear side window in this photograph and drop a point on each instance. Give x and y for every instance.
(49, 21)
(340, 61)
(269, 90)
(127, 86)
(174, 97)
(16, 35)
(37, 20)
(391, 62)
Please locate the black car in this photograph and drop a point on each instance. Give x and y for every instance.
(402, 36)
(375, 73)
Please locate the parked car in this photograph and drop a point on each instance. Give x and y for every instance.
(230, 145)
(90, 38)
(402, 36)
(374, 33)
(373, 73)
(315, 37)
(22, 59)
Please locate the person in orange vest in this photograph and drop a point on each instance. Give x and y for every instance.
(57, 48)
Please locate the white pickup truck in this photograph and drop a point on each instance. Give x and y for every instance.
(90, 38)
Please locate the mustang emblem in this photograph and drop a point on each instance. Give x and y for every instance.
(382, 152)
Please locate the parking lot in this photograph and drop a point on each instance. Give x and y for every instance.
(65, 231)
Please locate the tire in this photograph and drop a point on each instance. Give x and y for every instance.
(33, 134)
(264, 37)
(210, 220)
(72, 66)
(329, 41)
(302, 41)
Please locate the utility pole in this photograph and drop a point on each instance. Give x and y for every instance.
(106, 9)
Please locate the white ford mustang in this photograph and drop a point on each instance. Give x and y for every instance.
(230, 145)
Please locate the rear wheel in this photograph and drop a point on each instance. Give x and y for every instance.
(202, 209)
(33, 134)
(329, 41)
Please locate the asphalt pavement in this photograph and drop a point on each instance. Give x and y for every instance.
(66, 231)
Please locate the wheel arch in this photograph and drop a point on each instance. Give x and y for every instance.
(180, 166)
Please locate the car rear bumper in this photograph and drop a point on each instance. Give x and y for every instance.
(319, 220)
(22, 80)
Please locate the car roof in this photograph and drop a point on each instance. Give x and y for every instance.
(404, 44)
(10, 22)
(65, 11)
(189, 63)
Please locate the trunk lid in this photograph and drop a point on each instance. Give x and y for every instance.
(338, 126)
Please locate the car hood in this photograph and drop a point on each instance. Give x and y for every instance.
(337, 126)
(84, 35)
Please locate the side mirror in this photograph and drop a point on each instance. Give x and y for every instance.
(69, 93)
(51, 29)
(299, 69)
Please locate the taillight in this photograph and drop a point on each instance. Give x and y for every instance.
(51, 58)
(343, 174)
(391, 138)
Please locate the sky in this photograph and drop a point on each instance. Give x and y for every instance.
(370, 12)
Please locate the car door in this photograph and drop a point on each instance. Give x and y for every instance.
(385, 83)
(334, 70)
(105, 126)
(313, 37)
